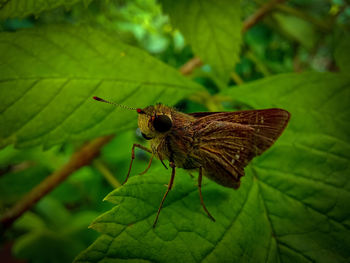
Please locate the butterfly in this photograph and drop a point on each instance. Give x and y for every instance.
(217, 144)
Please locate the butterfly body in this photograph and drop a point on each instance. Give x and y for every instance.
(222, 143)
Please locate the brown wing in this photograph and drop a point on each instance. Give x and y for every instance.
(202, 114)
(268, 124)
(227, 141)
(224, 149)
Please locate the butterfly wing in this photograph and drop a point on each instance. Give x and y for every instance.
(202, 114)
(224, 149)
(227, 141)
(268, 124)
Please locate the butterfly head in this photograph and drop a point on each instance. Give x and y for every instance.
(154, 121)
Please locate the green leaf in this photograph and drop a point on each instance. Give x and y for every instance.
(23, 8)
(297, 29)
(292, 206)
(212, 28)
(342, 55)
(49, 75)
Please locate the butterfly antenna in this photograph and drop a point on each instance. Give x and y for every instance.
(115, 104)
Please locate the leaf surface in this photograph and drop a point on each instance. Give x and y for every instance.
(23, 8)
(215, 41)
(292, 206)
(49, 75)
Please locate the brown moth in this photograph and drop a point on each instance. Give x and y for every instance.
(217, 144)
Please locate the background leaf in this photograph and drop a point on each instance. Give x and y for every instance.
(297, 29)
(342, 55)
(23, 8)
(48, 76)
(216, 41)
(54, 235)
(293, 204)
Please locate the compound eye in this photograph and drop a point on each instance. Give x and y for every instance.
(162, 123)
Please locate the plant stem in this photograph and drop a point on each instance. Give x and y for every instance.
(80, 158)
(190, 65)
(237, 78)
(103, 169)
(260, 13)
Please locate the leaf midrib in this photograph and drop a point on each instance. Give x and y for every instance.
(147, 83)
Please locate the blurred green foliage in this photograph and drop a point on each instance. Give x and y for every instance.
(55, 55)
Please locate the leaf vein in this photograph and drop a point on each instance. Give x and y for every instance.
(146, 83)
(31, 54)
(267, 212)
(306, 205)
(298, 175)
(21, 96)
(297, 252)
(231, 224)
(64, 51)
(42, 108)
(72, 112)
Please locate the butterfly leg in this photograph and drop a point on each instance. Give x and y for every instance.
(170, 185)
(148, 166)
(133, 157)
(200, 193)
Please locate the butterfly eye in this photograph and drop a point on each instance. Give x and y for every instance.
(162, 123)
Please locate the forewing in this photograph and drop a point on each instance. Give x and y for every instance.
(202, 114)
(268, 124)
(228, 141)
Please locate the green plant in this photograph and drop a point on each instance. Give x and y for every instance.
(293, 203)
